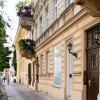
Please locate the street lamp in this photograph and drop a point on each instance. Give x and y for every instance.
(70, 48)
(97, 38)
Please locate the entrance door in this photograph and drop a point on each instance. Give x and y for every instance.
(69, 74)
(92, 64)
(93, 74)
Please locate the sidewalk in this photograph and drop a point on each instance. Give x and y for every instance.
(20, 92)
(3, 96)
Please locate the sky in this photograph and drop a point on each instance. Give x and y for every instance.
(10, 10)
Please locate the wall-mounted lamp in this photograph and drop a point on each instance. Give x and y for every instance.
(70, 50)
(97, 38)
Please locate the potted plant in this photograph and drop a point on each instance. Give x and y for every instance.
(24, 11)
(27, 48)
(24, 8)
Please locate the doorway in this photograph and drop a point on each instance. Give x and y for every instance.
(69, 73)
(29, 73)
(92, 64)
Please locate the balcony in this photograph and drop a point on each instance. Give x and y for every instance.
(25, 22)
(27, 48)
(92, 6)
(25, 16)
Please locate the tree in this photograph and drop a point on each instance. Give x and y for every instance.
(1, 3)
(4, 58)
(14, 64)
(23, 3)
(4, 51)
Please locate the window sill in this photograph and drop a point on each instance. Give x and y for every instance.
(57, 86)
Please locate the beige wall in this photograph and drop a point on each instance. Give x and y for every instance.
(71, 23)
(61, 7)
(22, 63)
(77, 32)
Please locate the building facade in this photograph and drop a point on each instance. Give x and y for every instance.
(67, 50)
(63, 75)
(23, 64)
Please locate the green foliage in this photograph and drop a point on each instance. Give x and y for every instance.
(23, 8)
(4, 57)
(14, 63)
(2, 3)
(2, 31)
(20, 4)
(27, 44)
(23, 3)
(4, 51)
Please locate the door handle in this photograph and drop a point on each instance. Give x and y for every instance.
(89, 82)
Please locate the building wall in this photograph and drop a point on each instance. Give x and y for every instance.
(40, 12)
(71, 23)
(22, 63)
(76, 31)
(51, 36)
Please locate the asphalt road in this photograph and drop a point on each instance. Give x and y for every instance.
(19, 92)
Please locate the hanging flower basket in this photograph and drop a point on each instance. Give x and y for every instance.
(27, 48)
(24, 11)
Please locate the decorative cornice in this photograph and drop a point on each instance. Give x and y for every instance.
(91, 6)
(66, 25)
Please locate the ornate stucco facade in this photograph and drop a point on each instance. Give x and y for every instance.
(60, 74)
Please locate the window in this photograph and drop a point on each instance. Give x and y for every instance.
(55, 9)
(46, 17)
(40, 25)
(36, 31)
(57, 64)
(41, 62)
(68, 2)
(48, 61)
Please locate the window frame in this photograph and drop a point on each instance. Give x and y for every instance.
(46, 16)
(40, 24)
(41, 63)
(56, 67)
(55, 9)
